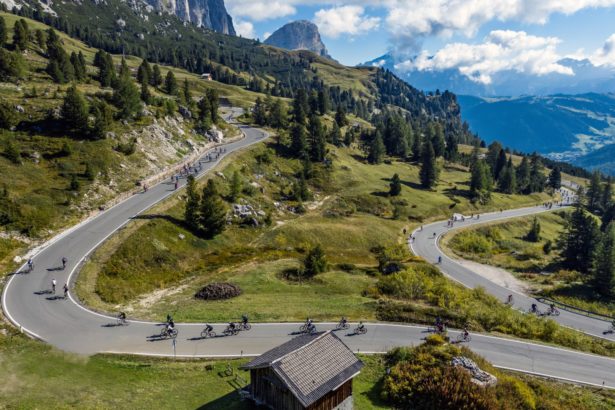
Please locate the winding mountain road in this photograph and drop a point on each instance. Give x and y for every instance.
(65, 324)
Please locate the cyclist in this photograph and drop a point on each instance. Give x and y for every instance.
(65, 290)
(122, 317)
(509, 300)
(344, 321)
(552, 308)
(439, 260)
(208, 328)
(231, 326)
(64, 261)
(534, 308)
(361, 326)
(169, 318)
(30, 265)
(466, 334)
(244, 319)
(439, 325)
(53, 285)
(169, 327)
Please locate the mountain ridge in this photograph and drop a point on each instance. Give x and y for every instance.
(299, 35)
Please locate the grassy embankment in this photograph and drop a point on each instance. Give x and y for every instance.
(350, 214)
(504, 245)
(36, 375)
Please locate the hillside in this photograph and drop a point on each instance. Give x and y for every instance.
(560, 126)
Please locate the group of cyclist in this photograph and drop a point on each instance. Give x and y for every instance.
(309, 326)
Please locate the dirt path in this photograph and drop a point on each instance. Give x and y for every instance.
(496, 275)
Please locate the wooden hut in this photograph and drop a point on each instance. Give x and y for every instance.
(312, 372)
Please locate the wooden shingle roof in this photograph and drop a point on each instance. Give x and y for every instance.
(311, 365)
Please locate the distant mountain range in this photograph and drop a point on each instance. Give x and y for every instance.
(299, 35)
(588, 78)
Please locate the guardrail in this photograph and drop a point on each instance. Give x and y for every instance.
(575, 309)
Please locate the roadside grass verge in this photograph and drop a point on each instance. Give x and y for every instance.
(503, 245)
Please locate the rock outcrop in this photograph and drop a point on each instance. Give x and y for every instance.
(299, 35)
(210, 14)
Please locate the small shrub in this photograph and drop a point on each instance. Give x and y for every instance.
(127, 148)
(315, 262)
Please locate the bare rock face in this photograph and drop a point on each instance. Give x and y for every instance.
(299, 35)
(210, 14)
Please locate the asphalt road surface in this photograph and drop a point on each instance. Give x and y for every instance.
(30, 304)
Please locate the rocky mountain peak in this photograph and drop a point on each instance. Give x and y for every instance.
(299, 35)
(210, 14)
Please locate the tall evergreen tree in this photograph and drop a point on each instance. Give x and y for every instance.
(3, 32)
(212, 211)
(480, 181)
(323, 101)
(533, 234)
(75, 111)
(335, 137)
(146, 96)
(507, 183)
(395, 185)
(156, 80)
(317, 139)
(437, 138)
(429, 167)
(594, 192)
(21, 35)
(580, 239)
(193, 204)
(126, 97)
(499, 165)
(186, 94)
(340, 116)
(170, 83)
(144, 73)
(235, 186)
(607, 194)
(300, 107)
(537, 178)
(103, 117)
(376, 149)
(523, 176)
(603, 280)
(259, 112)
(451, 152)
(555, 179)
(298, 143)
(277, 114)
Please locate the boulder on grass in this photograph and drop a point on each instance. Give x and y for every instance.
(218, 291)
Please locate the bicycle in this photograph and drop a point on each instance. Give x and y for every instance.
(230, 331)
(342, 325)
(552, 312)
(121, 321)
(311, 328)
(244, 326)
(168, 333)
(463, 337)
(360, 330)
(208, 334)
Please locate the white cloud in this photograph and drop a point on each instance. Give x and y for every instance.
(345, 20)
(501, 50)
(260, 10)
(266, 35)
(244, 29)
(605, 55)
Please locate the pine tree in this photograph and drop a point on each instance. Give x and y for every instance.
(103, 117)
(437, 138)
(106, 69)
(3, 32)
(537, 178)
(451, 152)
(146, 96)
(277, 114)
(323, 101)
(21, 35)
(317, 139)
(300, 107)
(534, 233)
(416, 148)
(144, 73)
(259, 113)
(499, 165)
(298, 146)
(523, 176)
(126, 97)
(607, 194)
(335, 137)
(156, 80)
(212, 218)
(170, 83)
(493, 153)
(594, 192)
(75, 111)
(340, 116)
(603, 272)
(236, 186)
(480, 181)
(376, 149)
(580, 239)
(193, 203)
(555, 179)
(214, 103)
(507, 183)
(78, 67)
(429, 168)
(41, 39)
(8, 118)
(186, 94)
(395, 186)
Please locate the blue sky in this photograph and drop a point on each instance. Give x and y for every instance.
(478, 37)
